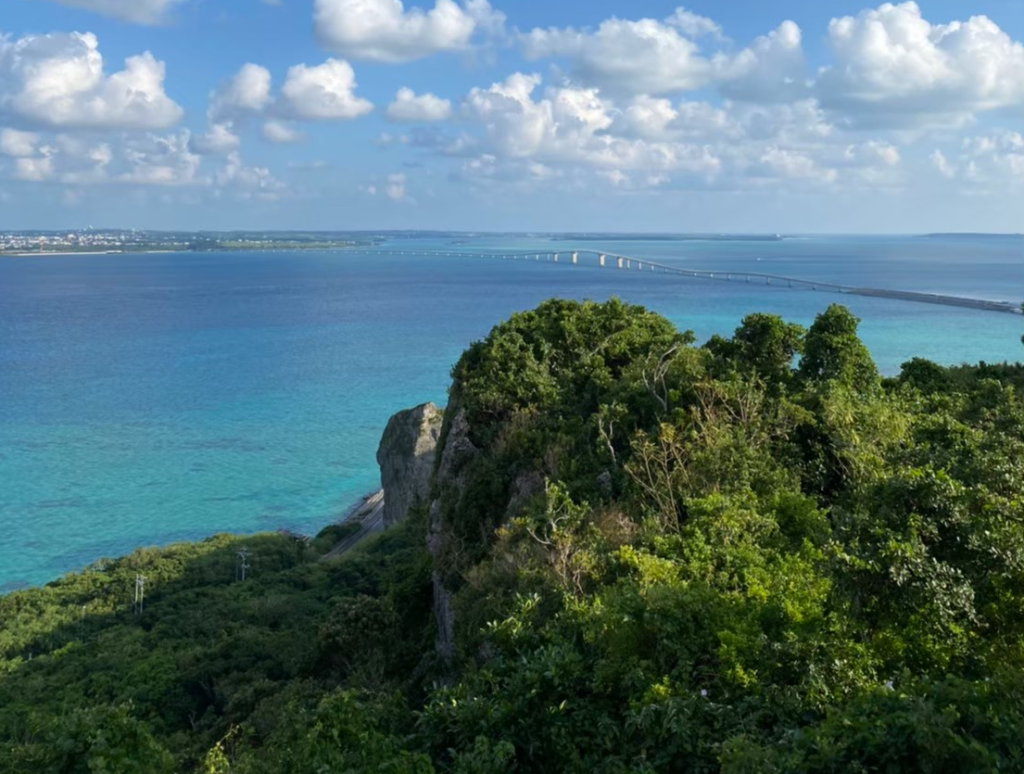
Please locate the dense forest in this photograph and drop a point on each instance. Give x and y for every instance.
(638, 555)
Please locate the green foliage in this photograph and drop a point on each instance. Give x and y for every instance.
(832, 352)
(332, 534)
(98, 740)
(764, 346)
(660, 558)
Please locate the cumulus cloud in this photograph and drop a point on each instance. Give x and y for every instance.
(18, 144)
(57, 80)
(249, 182)
(655, 57)
(638, 57)
(164, 160)
(280, 132)
(874, 152)
(693, 25)
(246, 92)
(384, 31)
(771, 69)
(61, 158)
(219, 139)
(983, 161)
(411, 108)
(34, 170)
(569, 126)
(656, 118)
(894, 68)
(780, 162)
(138, 11)
(323, 92)
(146, 160)
(80, 161)
(522, 133)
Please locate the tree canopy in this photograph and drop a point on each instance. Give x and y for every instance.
(755, 555)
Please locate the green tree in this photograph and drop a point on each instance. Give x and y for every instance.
(832, 352)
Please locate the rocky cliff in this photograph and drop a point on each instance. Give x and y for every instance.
(406, 458)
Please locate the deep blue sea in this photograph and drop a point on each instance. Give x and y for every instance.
(146, 399)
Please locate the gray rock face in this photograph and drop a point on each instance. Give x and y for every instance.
(458, 450)
(406, 457)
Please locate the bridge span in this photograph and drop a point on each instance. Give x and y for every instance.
(598, 259)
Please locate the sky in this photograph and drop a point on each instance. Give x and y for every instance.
(796, 116)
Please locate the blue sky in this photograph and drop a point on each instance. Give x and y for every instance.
(526, 115)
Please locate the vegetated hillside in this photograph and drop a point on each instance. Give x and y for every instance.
(639, 555)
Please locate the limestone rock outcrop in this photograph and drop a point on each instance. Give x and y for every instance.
(458, 451)
(406, 457)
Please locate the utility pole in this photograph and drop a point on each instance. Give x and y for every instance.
(140, 593)
(243, 564)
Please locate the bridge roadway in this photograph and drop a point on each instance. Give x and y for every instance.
(624, 262)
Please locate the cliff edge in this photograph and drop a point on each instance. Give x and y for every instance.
(406, 458)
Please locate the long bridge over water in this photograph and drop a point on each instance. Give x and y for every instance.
(598, 259)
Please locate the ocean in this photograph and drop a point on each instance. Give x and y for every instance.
(146, 399)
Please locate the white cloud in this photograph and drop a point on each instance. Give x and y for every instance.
(797, 124)
(246, 92)
(518, 126)
(998, 142)
(249, 182)
(146, 160)
(57, 80)
(163, 160)
(280, 132)
(986, 162)
(15, 143)
(81, 161)
(323, 92)
(384, 31)
(396, 187)
(34, 170)
(652, 57)
(771, 69)
(637, 57)
(894, 68)
(874, 152)
(655, 118)
(219, 139)
(569, 126)
(409, 107)
(780, 162)
(647, 117)
(149, 159)
(138, 11)
(693, 25)
(63, 157)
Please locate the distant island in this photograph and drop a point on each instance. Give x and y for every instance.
(104, 241)
(970, 235)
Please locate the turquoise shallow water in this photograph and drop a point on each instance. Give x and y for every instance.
(152, 398)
